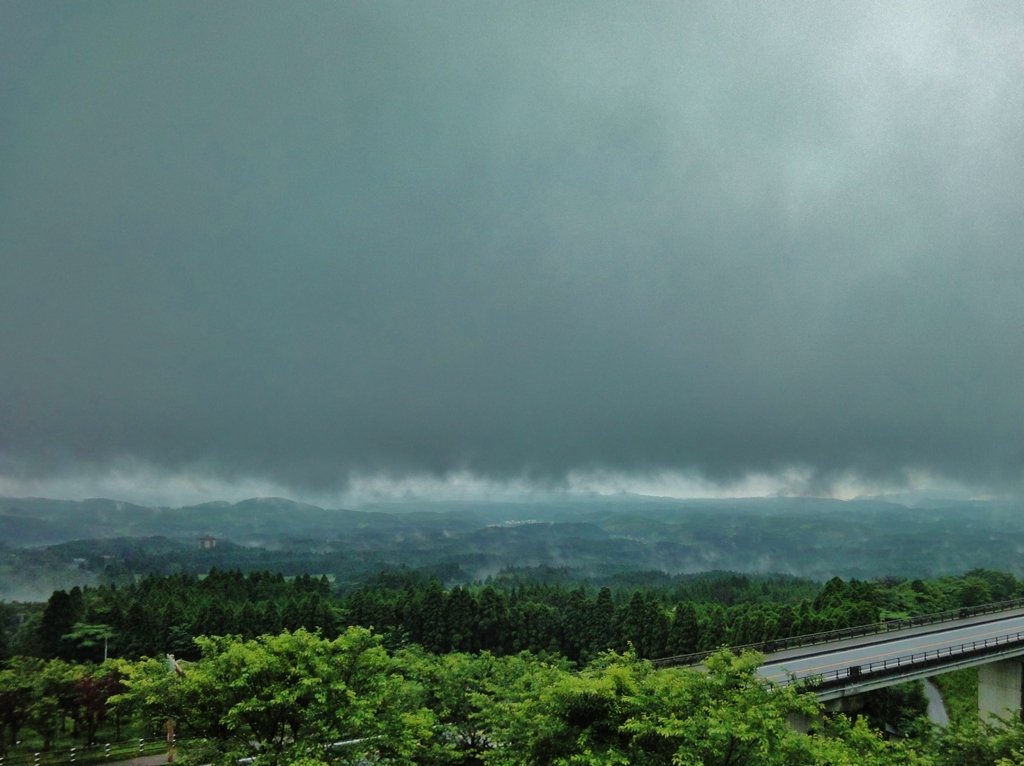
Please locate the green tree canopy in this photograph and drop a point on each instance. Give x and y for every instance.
(290, 698)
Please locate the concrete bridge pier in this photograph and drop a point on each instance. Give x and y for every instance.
(853, 703)
(1000, 689)
(850, 704)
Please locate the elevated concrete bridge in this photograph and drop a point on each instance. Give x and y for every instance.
(848, 668)
(874, 657)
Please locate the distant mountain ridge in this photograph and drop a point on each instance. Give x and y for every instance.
(40, 521)
(802, 536)
(65, 520)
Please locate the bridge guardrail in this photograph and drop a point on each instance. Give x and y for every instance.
(836, 677)
(825, 637)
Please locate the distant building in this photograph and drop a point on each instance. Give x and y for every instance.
(207, 542)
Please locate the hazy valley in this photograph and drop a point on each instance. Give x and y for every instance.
(50, 544)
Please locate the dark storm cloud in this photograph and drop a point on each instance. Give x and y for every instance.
(296, 240)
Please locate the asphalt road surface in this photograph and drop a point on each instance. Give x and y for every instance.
(142, 760)
(823, 663)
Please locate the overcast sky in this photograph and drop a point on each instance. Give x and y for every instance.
(304, 247)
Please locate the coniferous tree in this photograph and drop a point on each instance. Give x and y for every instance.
(59, 618)
(632, 620)
(576, 638)
(603, 624)
(714, 630)
(535, 627)
(323, 586)
(833, 592)
(211, 620)
(170, 618)
(462, 620)
(309, 610)
(656, 628)
(141, 636)
(181, 643)
(269, 618)
(862, 613)
(291, 617)
(804, 622)
(409, 614)
(493, 621)
(358, 609)
(755, 627)
(323, 616)
(685, 632)
(435, 635)
(247, 623)
(77, 601)
(784, 621)
(736, 619)
(115, 618)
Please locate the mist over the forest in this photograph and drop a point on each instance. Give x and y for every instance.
(56, 544)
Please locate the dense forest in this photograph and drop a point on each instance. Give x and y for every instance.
(54, 545)
(518, 611)
(449, 675)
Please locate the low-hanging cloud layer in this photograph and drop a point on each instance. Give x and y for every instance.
(518, 241)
